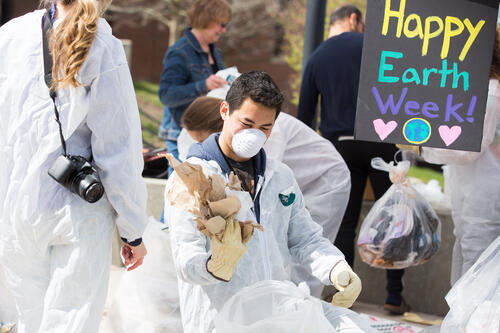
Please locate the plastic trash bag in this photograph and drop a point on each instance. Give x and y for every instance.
(401, 229)
(474, 300)
(146, 299)
(272, 306)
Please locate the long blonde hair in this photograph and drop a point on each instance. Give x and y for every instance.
(71, 41)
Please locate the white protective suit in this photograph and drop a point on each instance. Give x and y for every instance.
(320, 171)
(289, 232)
(474, 183)
(55, 248)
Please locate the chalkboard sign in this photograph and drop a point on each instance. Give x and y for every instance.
(425, 72)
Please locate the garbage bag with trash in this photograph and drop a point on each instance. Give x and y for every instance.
(401, 229)
(273, 306)
(474, 300)
(146, 299)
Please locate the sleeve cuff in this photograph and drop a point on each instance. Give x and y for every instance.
(134, 243)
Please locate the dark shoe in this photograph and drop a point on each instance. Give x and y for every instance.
(397, 309)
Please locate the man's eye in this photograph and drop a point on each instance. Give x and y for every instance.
(246, 125)
(265, 129)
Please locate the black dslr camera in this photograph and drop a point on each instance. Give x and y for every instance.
(77, 175)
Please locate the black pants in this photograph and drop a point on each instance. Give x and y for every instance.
(358, 155)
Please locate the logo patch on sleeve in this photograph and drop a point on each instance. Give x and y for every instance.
(287, 197)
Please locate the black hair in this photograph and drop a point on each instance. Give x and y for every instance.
(344, 12)
(259, 87)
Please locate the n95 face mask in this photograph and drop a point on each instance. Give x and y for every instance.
(247, 143)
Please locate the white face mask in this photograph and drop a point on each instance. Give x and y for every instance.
(247, 143)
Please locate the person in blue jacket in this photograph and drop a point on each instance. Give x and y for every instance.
(190, 65)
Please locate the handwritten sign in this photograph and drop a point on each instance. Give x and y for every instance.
(425, 72)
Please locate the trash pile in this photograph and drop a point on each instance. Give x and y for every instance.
(272, 306)
(214, 202)
(401, 229)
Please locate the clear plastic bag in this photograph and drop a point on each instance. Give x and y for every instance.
(146, 299)
(475, 299)
(272, 306)
(401, 229)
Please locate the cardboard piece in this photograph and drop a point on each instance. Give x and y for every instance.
(425, 72)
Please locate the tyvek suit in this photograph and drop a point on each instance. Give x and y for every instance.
(474, 182)
(322, 175)
(289, 232)
(55, 248)
(320, 171)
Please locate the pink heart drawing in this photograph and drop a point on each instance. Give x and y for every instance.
(449, 135)
(383, 130)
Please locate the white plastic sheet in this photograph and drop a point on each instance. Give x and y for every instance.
(273, 306)
(147, 299)
(475, 299)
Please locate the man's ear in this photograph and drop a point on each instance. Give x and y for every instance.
(353, 21)
(224, 110)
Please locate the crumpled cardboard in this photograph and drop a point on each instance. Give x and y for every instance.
(206, 198)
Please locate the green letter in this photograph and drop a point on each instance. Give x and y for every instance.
(388, 67)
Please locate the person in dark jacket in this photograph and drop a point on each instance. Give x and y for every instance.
(333, 72)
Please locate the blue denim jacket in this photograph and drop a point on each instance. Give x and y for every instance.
(185, 69)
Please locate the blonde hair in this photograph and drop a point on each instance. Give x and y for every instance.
(71, 41)
(205, 12)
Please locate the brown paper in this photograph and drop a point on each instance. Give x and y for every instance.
(225, 207)
(216, 224)
(218, 191)
(206, 198)
(234, 182)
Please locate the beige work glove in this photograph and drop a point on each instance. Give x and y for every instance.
(413, 149)
(226, 252)
(347, 283)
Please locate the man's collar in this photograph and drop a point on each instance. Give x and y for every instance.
(193, 41)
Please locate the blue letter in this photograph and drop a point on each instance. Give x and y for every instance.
(388, 67)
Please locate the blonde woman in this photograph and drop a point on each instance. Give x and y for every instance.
(190, 65)
(55, 247)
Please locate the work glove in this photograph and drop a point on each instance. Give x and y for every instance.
(347, 283)
(413, 149)
(226, 252)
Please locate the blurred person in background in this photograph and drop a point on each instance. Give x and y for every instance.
(190, 65)
(332, 72)
(474, 182)
(55, 246)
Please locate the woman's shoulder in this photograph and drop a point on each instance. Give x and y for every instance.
(25, 25)
(106, 54)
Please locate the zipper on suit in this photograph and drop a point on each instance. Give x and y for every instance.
(263, 244)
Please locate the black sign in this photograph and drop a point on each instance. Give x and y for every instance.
(425, 72)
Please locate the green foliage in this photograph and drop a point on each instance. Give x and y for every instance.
(425, 174)
(293, 20)
(148, 91)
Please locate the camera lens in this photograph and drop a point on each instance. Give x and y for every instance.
(88, 186)
(94, 192)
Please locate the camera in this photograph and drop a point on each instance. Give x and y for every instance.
(77, 175)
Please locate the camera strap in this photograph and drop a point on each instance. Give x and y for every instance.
(47, 67)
